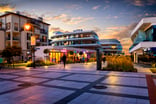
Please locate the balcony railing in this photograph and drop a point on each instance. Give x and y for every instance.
(70, 39)
(16, 38)
(43, 31)
(7, 38)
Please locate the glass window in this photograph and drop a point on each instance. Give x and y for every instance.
(8, 26)
(0, 25)
(16, 26)
(149, 35)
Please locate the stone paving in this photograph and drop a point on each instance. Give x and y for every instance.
(73, 85)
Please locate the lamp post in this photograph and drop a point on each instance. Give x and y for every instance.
(27, 27)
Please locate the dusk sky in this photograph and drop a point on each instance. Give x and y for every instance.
(108, 18)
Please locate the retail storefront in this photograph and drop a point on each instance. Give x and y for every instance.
(73, 54)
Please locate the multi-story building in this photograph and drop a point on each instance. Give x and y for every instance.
(77, 39)
(144, 38)
(12, 31)
(111, 46)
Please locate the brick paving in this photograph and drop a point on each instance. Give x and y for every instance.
(73, 85)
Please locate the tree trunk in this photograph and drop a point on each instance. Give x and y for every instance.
(13, 62)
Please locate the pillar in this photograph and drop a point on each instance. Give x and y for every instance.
(98, 59)
(135, 57)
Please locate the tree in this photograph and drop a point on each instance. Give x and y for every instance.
(46, 51)
(81, 53)
(71, 52)
(10, 52)
(7, 54)
(16, 51)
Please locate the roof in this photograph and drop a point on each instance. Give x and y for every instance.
(109, 41)
(70, 33)
(143, 24)
(18, 14)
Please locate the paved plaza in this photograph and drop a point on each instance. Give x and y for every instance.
(77, 84)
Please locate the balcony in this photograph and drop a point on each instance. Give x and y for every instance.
(83, 45)
(43, 31)
(7, 38)
(16, 38)
(71, 39)
(34, 22)
(3, 29)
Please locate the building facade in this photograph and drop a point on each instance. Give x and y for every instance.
(76, 39)
(143, 37)
(111, 46)
(73, 54)
(12, 31)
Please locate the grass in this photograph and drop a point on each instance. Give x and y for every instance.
(119, 63)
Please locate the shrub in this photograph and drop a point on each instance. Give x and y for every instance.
(119, 63)
(91, 60)
(40, 63)
(154, 65)
(69, 61)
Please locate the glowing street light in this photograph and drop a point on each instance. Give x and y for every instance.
(27, 27)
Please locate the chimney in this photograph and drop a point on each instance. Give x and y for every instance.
(40, 18)
(17, 12)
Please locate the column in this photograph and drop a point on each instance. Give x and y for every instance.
(98, 59)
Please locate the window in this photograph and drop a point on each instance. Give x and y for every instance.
(44, 39)
(0, 25)
(28, 36)
(16, 26)
(8, 26)
(28, 45)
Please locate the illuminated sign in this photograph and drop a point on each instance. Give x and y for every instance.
(33, 40)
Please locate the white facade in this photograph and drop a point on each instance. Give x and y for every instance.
(144, 38)
(12, 31)
(39, 54)
(77, 39)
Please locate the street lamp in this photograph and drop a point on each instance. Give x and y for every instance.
(27, 27)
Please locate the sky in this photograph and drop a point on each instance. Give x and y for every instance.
(108, 18)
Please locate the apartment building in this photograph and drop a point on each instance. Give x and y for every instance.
(111, 46)
(76, 39)
(143, 37)
(12, 32)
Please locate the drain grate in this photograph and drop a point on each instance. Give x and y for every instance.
(26, 84)
(99, 86)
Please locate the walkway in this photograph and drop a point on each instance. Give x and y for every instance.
(77, 84)
(143, 69)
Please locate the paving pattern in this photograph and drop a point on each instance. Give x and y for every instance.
(70, 86)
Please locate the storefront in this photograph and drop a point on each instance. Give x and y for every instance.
(73, 54)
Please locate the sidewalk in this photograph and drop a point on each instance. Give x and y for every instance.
(143, 69)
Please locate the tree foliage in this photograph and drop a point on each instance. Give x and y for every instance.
(46, 51)
(10, 52)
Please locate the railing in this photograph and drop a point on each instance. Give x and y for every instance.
(43, 31)
(16, 38)
(69, 39)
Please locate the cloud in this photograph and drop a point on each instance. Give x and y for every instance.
(54, 29)
(74, 6)
(106, 7)
(76, 20)
(96, 7)
(67, 19)
(61, 16)
(96, 29)
(141, 2)
(121, 33)
(5, 5)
